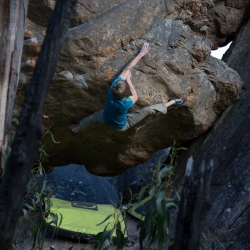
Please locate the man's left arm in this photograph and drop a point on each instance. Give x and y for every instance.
(134, 96)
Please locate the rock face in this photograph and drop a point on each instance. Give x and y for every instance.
(75, 183)
(227, 143)
(109, 34)
(85, 10)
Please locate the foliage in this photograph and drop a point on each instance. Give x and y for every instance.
(104, 239)
(155, 226)
(156, 222)
(36, 201)
(36, 207)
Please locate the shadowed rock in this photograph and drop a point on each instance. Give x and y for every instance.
(227, 143)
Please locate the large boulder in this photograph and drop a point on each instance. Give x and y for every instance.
(178, 65)
(227, 144)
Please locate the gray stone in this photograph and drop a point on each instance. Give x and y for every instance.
(75, 183)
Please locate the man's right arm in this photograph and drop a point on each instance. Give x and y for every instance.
(144, 50)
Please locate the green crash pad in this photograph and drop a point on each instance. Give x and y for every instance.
(83, 220)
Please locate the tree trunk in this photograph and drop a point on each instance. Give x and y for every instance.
(13, 15)
(29, 131)
(228, 144)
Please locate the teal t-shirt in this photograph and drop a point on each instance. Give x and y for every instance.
(115, 111)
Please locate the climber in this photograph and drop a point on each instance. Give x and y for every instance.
(121, 97)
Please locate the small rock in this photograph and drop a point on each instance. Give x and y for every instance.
(80, 81)
(204, 28)
(28, 34)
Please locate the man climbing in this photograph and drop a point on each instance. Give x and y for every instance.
(121, 97)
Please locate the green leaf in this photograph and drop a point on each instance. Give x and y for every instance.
(159, 200)
(28, 206)
(55, 184)
(166, 169)
(43, 187)
(15, 120)
(104, 220)
(159, 181)
(25, 213)
(142, 191)
(120, 239)
(61, 218)
(54, 218)
(14, 247)
(170, 205)
(40, 168)
(34, 204)
(152, 191)
(181, 148)
(48, 204)
(52, 136)
(148, 220)
(212, 247)
(178, 196)
(167, 219)
(159, 164)
(106, 235)
(169, 200)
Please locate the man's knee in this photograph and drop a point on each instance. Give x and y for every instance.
(148, 110)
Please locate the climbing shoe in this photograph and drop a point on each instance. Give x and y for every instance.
(178, 101)
(72, 128)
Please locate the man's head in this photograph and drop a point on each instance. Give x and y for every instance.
(121, 89)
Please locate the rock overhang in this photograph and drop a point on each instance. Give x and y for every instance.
(179, 64)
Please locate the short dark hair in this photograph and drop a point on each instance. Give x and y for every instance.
(121, 89)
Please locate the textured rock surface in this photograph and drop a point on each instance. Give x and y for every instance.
(75, 183)
(181, 35)
(227, 143)
(40, 12)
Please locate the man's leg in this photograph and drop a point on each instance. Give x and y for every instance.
(87, 122)
(137, 116)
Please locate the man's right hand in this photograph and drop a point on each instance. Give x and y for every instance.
(145, 49)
